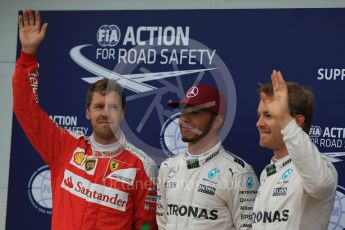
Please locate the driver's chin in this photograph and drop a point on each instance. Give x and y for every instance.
(106, 134)
(192, 139)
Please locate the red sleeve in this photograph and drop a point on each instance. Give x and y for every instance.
(42, 133)
(145, 202)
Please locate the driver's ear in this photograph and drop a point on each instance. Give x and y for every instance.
(218, 121)
(299, 120)
(87, 114)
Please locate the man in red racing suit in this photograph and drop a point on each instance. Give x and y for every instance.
(94, 185)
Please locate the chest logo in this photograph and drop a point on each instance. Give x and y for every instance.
(249, 182)
(279, 191)
(173, 171)
(78, 158)
(286, 174)
(271, 169)
(90, 164)
(206, 189)
(212, 174)
(113, 165)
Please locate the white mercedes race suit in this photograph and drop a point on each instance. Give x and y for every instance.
(297, 192)
(215, 190)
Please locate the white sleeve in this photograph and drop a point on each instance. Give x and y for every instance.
(241, 199)
(161, 215)
(263, 176)
(317, 172)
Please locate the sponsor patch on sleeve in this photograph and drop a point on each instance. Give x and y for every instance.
(126, 176)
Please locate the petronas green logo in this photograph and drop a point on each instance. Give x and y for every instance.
(192, 163)
(270, 169)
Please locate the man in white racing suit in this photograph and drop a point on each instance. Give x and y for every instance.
(297, 189)
(205, 187)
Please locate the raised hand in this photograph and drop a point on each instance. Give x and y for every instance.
(31, 33)
(277, 104)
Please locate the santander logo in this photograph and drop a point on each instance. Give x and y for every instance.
(95, 193)
(68, 182)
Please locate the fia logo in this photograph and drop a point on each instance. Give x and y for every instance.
(315, 131)
(108, 35)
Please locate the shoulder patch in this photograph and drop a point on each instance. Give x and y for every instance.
(239, 161)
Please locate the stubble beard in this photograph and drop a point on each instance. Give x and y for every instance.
(197, 137)
(105, 133)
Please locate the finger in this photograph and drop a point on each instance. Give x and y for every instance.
(282, 83)
(25, 17)
(274, 81)
(31, 18)
(280, 77)
(20, 21)
(277, 81)
(38, 18)
(44, 29)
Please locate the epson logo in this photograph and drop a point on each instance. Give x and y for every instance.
(271, 216)
(195, 212)
(279, 191)
(246, 216)
(206, 189)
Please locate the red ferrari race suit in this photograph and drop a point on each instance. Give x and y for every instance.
(109, 189)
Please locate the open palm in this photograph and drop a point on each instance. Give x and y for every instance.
(277, 104)
(30, 32)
